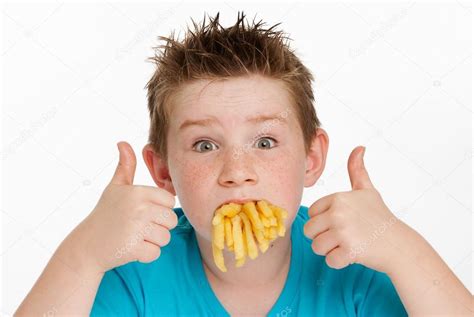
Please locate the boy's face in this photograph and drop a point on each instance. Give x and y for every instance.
(218, 149)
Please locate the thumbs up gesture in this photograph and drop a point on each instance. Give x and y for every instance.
(129, 223)
(354, 226)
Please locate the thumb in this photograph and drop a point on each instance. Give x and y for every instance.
(357, 173)
(125, 171)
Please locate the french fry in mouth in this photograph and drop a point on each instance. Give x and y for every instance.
(245, 229)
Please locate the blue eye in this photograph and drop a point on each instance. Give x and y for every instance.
(203, 145)
(266, 142)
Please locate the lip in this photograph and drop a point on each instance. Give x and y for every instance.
(238, 201)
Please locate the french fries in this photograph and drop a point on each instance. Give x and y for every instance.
(244, 229)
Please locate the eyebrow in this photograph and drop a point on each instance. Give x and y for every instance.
(213, 120)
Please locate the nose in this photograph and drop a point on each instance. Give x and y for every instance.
(237, 171)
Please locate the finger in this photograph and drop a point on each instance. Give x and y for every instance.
(148, 252)
(157, 234)
(164, 217)
(358, 174)
(325, 242)
(338, 258)
(125, 171)
(316, 225)
(158, 196)
(320, 205)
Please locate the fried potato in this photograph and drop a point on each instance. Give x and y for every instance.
(241, 261)
(273, 233)
(231, 210)
(252, 250)
(265, 221)
(229, 239)
(218, 258)
(237, 236)
(245, 229)
(273, 222)
(251, 212)
(280, 214)
(264, 208)
(219, 235)
(217, 219)
(262, 241)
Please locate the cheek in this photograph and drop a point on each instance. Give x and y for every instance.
(285, 178)
(196, 175)
(193, 183)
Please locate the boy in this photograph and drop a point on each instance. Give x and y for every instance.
(232, 120)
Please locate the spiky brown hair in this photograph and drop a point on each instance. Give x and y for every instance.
(213, 52)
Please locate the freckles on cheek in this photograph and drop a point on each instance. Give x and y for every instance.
(285, 177)
(196, 173)
(195, 186)
(280, 177)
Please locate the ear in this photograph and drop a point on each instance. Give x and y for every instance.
(158, 169)
(316, 157)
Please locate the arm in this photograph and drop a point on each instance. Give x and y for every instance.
(424, 282)
(67, 285)
(357, 227)
(129, 223)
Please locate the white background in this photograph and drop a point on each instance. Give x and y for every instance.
(395, 78)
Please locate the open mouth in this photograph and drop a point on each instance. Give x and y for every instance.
(244, 227)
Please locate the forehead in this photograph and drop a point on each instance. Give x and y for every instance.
(232, 99)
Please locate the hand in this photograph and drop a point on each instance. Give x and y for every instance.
(354, 226)
(129, 222)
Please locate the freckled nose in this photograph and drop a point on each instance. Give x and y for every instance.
(237, 171)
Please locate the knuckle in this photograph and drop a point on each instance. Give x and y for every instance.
(168, 217)
(135, 225)
(149, 255)
(331, 261)
(338, 198)
(172, 200)
(174, 219)
(305, 229)
(165, 214)
(312, 209)
(337, 216)
(315, 245)
(140, 211)
(165, 237)
(167, 198)
(341, 234)
(138, 194)
(308, 229)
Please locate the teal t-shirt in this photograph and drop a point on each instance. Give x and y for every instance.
(176, 284)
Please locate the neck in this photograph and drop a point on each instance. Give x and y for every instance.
(261, 271)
